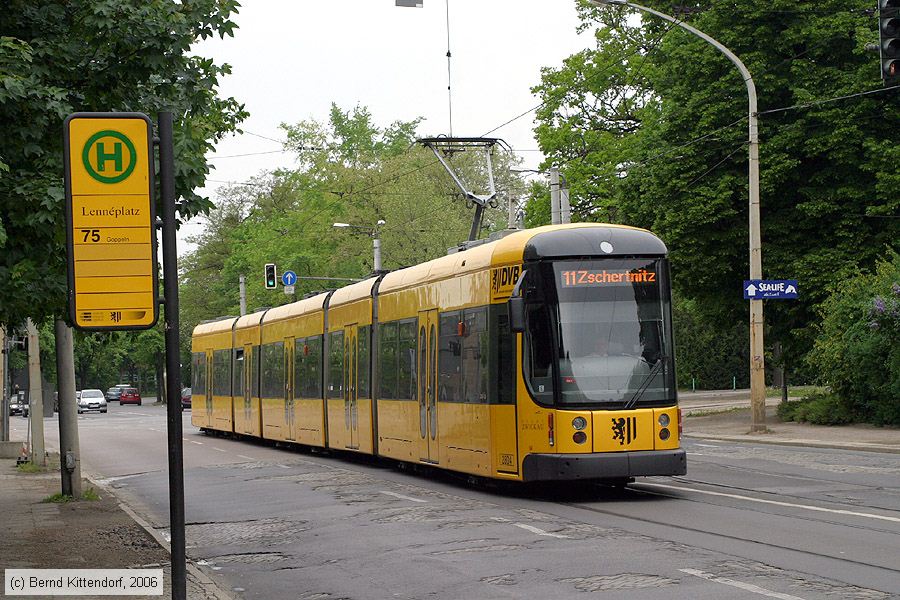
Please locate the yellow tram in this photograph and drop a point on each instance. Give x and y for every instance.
(544, 355)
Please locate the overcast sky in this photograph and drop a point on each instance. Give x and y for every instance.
(292, 58)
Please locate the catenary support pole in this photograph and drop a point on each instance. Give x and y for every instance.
(243, 292)
(757, 356)
(35, 395)
(4, 395)
(554, 196)
(173, 363)
(69, 452)
(376, 247)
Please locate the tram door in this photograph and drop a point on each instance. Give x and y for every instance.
(290, 416)
(209, 389)
(428, 384)
(351, 384)
(248, 389)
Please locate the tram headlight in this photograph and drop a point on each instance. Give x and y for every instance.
(579, 437)
(664, 420)
(664, 434)
(579, 423)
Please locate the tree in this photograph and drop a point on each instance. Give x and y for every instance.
(652, 122)
(94, 55)
(856, 352)
(350, 170)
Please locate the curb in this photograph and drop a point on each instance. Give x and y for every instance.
(208, 584)
(860, 446)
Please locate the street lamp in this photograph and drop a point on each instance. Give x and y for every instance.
(757, 360)
(373, 233)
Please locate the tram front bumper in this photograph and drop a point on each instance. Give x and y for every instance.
(610, 465)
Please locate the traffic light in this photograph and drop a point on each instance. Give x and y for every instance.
(271, 278)
(889, 35)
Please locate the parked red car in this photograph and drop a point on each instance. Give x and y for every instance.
(185, 398)
(130, 396)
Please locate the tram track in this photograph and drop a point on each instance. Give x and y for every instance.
(728, 538)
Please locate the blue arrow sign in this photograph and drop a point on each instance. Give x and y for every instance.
(288, 278)
(770, 289)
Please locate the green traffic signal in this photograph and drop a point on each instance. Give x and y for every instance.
(271, 278)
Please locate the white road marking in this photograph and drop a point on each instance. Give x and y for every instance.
(706, 445)
(533, 529)
(218, 449)
(247, 457)
(198, 443)
(402, 497)
(749, 587)
(283, 466)
(834, 511)
(107, 480)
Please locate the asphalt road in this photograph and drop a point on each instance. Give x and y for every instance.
(747, 522)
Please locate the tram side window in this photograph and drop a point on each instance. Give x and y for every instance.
(273, 370)
(198, 385)
(300, 348)
(387, 360)
(406, 371)
(449, 355)
(254, 375)
(313, 369)
(474, 356)
(222, 373)
(539, 351)
(237, 371)
(336, 364)
(502, 357)
(363, 369)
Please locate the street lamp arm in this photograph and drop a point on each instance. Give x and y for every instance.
(751, 87)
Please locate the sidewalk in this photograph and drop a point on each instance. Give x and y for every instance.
(727, 418)
(88, 534)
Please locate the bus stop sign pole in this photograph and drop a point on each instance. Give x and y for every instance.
(173, 357)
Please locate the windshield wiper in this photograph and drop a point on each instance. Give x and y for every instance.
(646, 382)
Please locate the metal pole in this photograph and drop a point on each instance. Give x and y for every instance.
(565, 209)
(173, 364)
(69, 451)
(757, 357)
(243, 289)
(35, 396)
(4, 376)
(554, 196)
(376, 246)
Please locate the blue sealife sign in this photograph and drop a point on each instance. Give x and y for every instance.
(770, 289)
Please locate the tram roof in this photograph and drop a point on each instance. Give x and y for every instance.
(217, 326)
(296, 309)
(251, 320)
(353, 292)
(512, 249)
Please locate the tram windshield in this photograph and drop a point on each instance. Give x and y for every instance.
(598, 333)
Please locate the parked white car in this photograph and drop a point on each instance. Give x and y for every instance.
(91, 400)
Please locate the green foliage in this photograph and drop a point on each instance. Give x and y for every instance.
(707, 353)
(90, 495)
(650, 129)
(856, 352)
(58, 498)
(29, 467)
(818, 409)
(94, 55)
